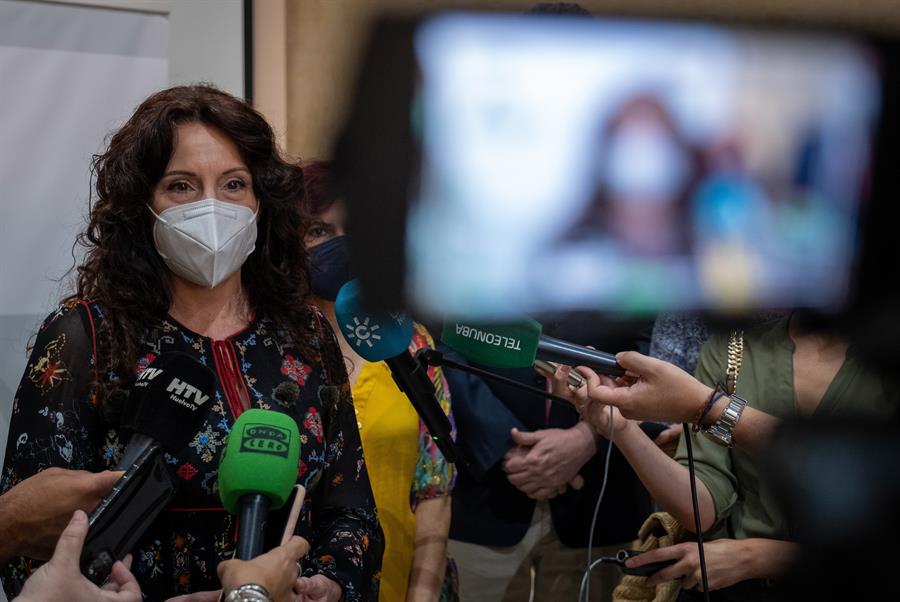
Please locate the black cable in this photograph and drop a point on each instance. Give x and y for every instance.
(584, 593)
(433, 357)
(693, 478)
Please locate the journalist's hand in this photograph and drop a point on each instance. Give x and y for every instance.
(35, 511)
(276, 570)
(652, 390)
(726, 563)
(61, 578)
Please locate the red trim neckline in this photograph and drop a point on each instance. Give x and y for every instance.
(243, 330)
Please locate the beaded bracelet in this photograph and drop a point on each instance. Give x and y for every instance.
(715, 396)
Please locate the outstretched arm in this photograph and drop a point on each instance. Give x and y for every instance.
(666, 480)
(657, 390)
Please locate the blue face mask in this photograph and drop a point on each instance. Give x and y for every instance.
(329, 267)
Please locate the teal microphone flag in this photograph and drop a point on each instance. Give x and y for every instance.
(510, 345)
(261, 457)
(375, 337)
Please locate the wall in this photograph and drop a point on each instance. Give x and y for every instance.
(206, 43)
(270, 63)
(73, 71)
(71, 74)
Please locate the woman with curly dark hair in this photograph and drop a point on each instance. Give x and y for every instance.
(194, 246)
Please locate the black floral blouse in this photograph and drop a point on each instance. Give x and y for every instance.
(56, 421)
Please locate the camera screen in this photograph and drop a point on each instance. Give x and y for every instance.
(636, 166)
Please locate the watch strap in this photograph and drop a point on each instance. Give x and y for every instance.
(722, 431)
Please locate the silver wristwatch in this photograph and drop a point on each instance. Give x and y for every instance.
(250, 592)
(722, 431)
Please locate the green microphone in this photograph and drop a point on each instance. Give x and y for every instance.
(519, 345)
(511, 345)
(257, 472)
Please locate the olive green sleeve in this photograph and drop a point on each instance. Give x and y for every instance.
(712, 462)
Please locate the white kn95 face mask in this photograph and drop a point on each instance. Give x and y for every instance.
(205, 241)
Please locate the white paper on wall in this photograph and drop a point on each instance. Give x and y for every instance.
(69, 76)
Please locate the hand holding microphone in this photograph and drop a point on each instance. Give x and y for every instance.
(257, 473)
(568, 375)
(654, 390)
(167, 405)
(61, 579)
(563, 379)
(36, 510)
(276, 570)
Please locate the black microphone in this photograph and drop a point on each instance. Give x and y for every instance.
(166, 407)
(552, 349)
(411, 377)
(386, 338)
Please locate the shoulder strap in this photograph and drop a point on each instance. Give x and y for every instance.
(332, 361)
(90, 320)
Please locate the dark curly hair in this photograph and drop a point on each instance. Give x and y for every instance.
(122, 270)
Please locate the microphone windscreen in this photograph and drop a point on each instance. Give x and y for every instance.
(373, 337)
(512, 345)
(170, 399)
(261, 456)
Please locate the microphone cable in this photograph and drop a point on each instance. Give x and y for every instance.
(584, 592)
(693, 478)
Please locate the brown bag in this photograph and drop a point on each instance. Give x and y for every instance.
(658, 531)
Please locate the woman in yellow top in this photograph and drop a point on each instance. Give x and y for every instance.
(410, 478)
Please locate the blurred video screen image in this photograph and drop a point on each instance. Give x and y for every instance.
(636, 166)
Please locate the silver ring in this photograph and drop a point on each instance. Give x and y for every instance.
(299, 568)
